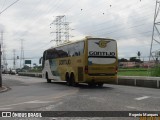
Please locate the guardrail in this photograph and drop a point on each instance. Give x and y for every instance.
(141, 81)
(30, 74)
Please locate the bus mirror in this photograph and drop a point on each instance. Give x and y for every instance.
(40, 60)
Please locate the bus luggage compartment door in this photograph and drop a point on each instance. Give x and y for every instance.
(80, 73)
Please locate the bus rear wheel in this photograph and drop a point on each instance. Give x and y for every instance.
(48, 80)
(73, 82)
(100, 84)
(92, 84)
(68, 82)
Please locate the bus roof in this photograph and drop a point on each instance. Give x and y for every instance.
(86, 38)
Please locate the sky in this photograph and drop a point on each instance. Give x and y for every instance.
(128, 22)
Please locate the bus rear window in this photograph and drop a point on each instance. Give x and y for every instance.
(102, 52)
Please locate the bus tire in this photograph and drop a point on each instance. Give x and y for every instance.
(91, 84)
(72, 79)
(100, 84)
(68, 82)
(48, 80)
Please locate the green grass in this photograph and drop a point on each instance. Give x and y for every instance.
(133, 72)
(154, 72)
(132, 69)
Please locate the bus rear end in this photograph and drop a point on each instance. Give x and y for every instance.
(102, 61)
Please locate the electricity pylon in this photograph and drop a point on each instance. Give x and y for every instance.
(61, 29)
(155, 42)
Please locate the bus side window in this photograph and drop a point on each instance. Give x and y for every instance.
(43, 59)
(76, 54)
(51, 54)
(81, 48)
(62, 52)
(70, 51)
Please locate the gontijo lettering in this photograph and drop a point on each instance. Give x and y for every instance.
(65, 62)
(95, 53)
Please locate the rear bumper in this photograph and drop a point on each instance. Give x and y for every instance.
(101, 79)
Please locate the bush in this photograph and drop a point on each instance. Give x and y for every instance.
(155, 71)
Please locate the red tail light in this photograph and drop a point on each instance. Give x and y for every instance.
(86, 69)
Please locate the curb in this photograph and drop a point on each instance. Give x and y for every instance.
(150, 82)
(4, 89)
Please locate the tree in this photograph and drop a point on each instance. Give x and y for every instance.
(34, 64)
(26, 67)
(134, 59)
(139, 54)
(123, 60)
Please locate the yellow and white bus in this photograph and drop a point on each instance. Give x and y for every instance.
(91, 60)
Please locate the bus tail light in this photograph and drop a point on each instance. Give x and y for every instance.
(86, 69)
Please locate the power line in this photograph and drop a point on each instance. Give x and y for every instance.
(134, 34)
(114, 25)
(38, 17)
(26, 58)
(9, 6)
(3, 4)
(90, 13)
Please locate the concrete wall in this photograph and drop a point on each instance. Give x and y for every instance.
(152, 82)
(30, 74)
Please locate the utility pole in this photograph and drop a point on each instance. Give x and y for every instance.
(14, 59)
(4, 62)
(154, 49)
(22, 54)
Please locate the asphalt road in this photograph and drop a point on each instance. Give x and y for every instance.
(34, 94)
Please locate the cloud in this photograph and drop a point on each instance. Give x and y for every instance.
(2, 27)
(129, 22)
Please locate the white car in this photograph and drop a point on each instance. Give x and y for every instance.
(13, 72)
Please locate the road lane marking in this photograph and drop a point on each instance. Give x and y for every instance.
(12, 104)
(5, 108)
(156, 97)
(142, 98)
(34, 101)
(63, 94)
(130, 107)
(50, 107)
(38, 101)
